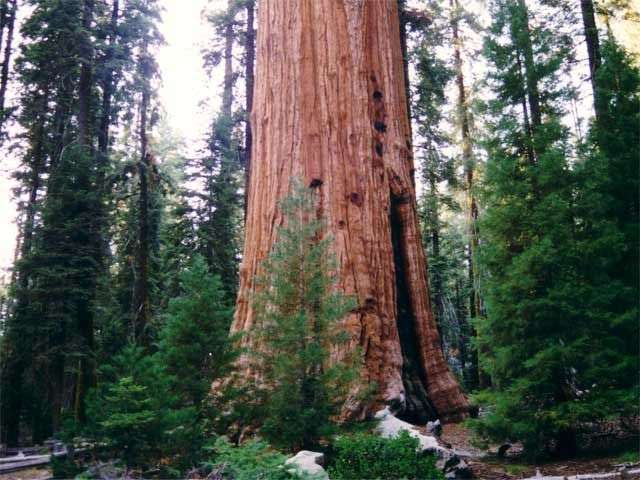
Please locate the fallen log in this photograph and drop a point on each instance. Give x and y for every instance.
(20, 462)
(623, 474)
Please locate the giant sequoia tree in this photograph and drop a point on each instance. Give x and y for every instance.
(330, 107)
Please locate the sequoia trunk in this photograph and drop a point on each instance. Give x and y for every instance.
(330, 108)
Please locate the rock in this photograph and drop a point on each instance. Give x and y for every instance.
(435, 428)
(107, 471)
(309, 463)
(390, 426)
(502, 451)
(458, 469)
(454, 468)
(451, 464)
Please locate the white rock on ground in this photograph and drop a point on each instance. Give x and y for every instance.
(309, 463)
(390, 426)
(451, 465)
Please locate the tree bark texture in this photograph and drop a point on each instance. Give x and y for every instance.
(330, 108)
(593, 47)
(250, 56)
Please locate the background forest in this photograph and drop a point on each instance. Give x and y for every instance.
(116, 312)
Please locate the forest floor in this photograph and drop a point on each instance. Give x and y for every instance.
(42, 473)
(489, 466)
(484, 464)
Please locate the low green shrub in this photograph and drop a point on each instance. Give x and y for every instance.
(369, 456)
(64, 467)
(253, 460)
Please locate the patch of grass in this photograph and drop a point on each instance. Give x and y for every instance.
(475, 439)
(516, 468)
(632, 456)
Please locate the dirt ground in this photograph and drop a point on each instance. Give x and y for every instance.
(489, 467)
(30, 474)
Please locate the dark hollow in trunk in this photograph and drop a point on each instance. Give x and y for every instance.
(417, 409)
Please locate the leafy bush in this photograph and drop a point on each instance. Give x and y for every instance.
(64, 467)
(372, 457)
(253, 460)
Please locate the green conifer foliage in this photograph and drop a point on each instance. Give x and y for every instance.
(168, 391)
(559, 338)
(127, 411)
(607, 223)
(298, 311)
(536, 337)
(195, 347)
(443, 238)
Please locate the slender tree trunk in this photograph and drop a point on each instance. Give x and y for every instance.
(3, 20)
(12, 376)
(250, 54)
(227, 90)
(85, 377)
(86, 74)
(107, 88)
(61, 120)
(526, 122)
(468, 161)
(102, 158)
(224, 131)
(38, 158)
(141, 303)
(530, 74)
(436, 274)
(593, 47)
(404, 22)
(330, 108)
(6, 60)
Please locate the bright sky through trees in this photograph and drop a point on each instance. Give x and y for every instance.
(184, 93)
(184, 87)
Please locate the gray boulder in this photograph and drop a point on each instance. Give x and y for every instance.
(434, 428)
(308, 464)
(451, 464)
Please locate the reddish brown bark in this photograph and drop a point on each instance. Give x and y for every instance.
(330, 108)
(250, 54)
